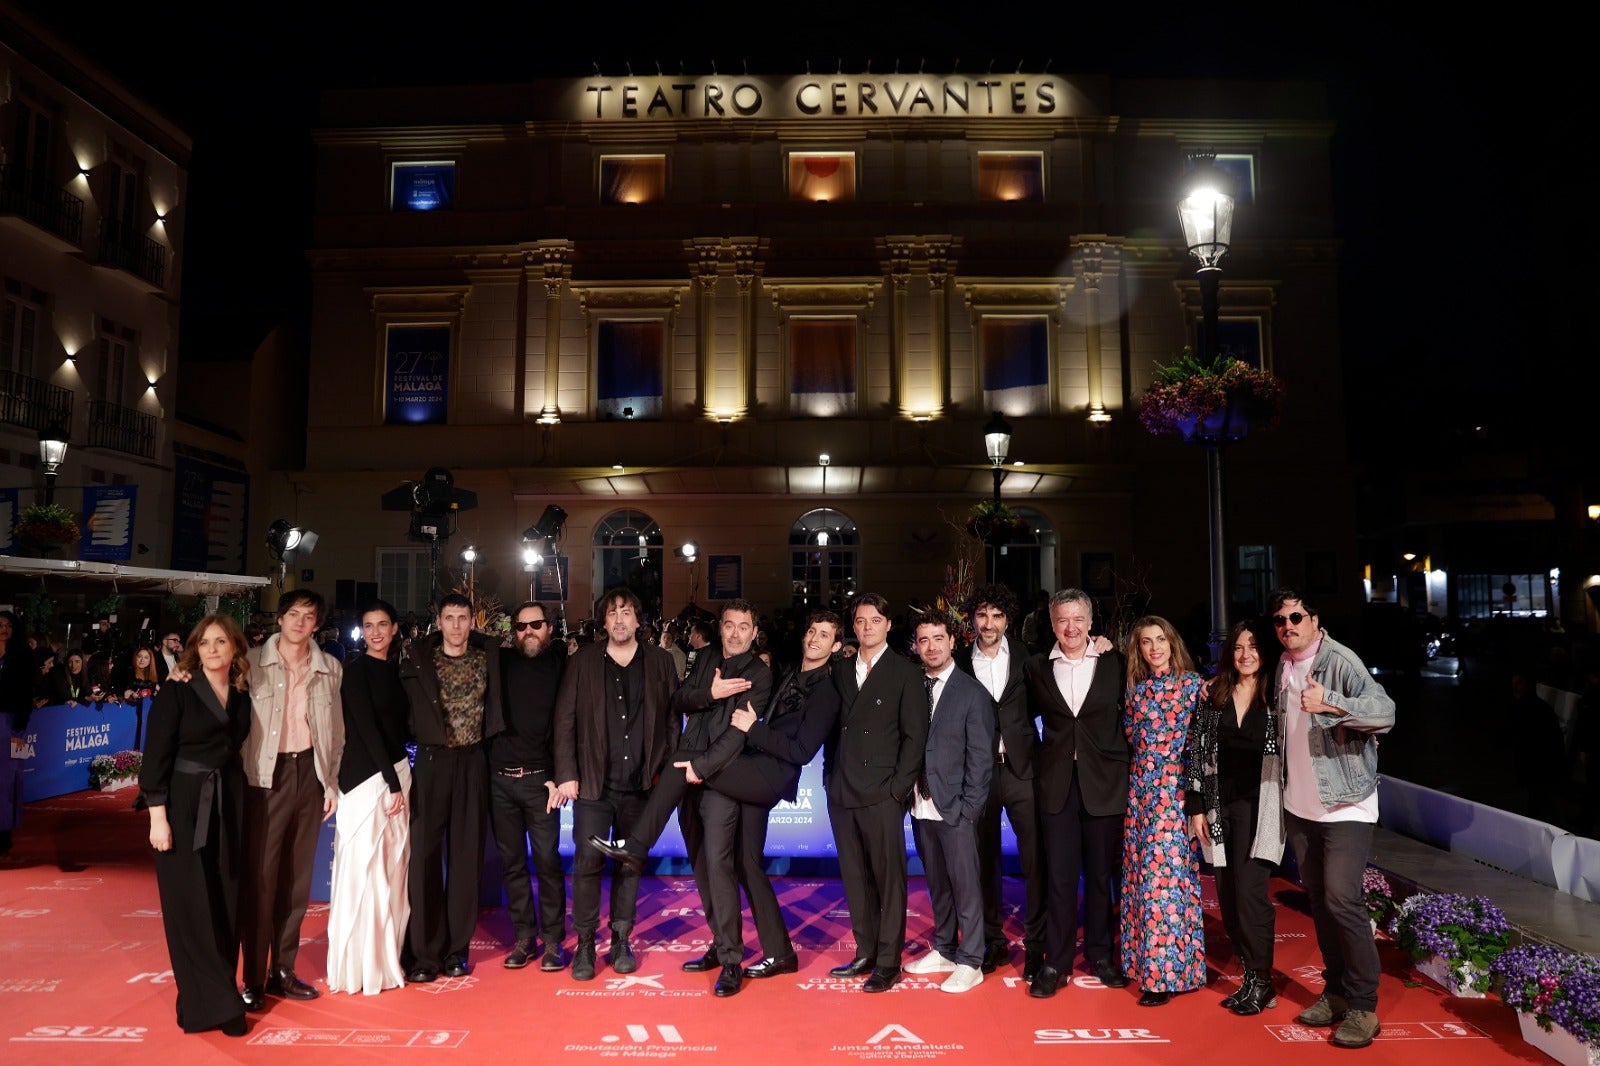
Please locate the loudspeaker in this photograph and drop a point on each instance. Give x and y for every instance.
(366, 592)
(344, 594)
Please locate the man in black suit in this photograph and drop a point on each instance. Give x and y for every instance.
(1082, 777)
(996, 659)
(869, 772)
(950, 796)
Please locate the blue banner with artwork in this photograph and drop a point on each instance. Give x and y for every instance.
(210, 516)
(417, 375)
(61, 742)
(108, 523)
(9, 508)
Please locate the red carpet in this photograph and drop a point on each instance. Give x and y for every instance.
(85, 979)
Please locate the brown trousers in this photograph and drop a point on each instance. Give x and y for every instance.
(280, 848)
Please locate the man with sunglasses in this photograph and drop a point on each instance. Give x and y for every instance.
(523, 801)
(1332, 712)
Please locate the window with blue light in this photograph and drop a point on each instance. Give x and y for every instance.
(1242, 167)
(628, 369)
(429, 186)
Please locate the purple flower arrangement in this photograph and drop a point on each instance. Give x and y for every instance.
(1556, 987)
(1379, 897)
(103, 768)
(1189, 389)
(1469, 932)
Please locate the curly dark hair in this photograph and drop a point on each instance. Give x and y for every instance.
(993, 595)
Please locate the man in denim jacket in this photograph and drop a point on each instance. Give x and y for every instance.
(1333, 712)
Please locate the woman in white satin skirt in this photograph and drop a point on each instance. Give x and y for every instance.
(369, 907)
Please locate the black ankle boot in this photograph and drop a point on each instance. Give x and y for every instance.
(583, 959)
(1256, 993)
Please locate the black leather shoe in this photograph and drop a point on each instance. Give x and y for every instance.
(770, 967)
(284, 983)
(253, 999)
(583, 959)
(853, 968)
(1045, 982)
(616, 851)
(994, 955)
(524, 951)
(729, 980)
(1032, 959)
(1108, 974)
(457, 967)
(881, 979)
(552, 959)
(622, 958)
(1154, 999)
(421, 975)
(703, 964)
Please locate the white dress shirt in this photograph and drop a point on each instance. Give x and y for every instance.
(923, 806)
(992, 671)
(1073, 676)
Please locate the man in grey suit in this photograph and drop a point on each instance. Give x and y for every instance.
(950, 797)
(871, 766)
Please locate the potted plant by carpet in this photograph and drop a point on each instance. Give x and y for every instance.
(1556, 995)
(45, 527)
(1452, 938)
(994, 523)
(110, 772)
(1217, 401)
(1379, 897)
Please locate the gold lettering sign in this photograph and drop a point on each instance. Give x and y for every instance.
(734, 97)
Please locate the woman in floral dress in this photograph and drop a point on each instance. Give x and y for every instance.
(1163, 936)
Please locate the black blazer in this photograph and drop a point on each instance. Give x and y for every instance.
(883, 727)
(960, 749)
(707, 719)
(1013, 720)
(804, 712)
(1095, 737)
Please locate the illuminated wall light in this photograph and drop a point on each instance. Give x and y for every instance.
(1016, 462)
(616, 466)
(1594, 512)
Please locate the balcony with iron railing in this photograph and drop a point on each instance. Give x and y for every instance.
(122, 428)
(135, 253)
(55, 210)
(37, 405)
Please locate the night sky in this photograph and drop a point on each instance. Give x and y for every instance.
(1457, 168)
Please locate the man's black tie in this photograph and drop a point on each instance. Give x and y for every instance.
(922, 775)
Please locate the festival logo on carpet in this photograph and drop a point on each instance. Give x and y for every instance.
(364, 1038)
(444, 984)
(29, 984)
(895, 1041)
(69, 884)
(1435, 1030)
(1097, 1036)
(642, 1042)
(83, 1034)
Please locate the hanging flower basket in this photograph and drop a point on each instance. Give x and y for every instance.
(1212, 402)
(45, 527)
(995, 523)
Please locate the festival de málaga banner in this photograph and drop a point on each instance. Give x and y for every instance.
(8, 518)
(416, 375)
(108, 523)
(210, 516)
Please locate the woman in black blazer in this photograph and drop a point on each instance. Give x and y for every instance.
(193, 783)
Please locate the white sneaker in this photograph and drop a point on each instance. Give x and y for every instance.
(932, 962)
(962, 979)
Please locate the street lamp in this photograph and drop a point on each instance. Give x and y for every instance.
(996, 443)
(52, 453)
(1205, 211)
(824, 557)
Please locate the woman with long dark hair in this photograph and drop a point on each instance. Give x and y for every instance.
(1234, 800)
(1163, 933)
(372, 840)
(193, 784)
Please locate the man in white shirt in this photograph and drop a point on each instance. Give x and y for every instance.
(1333, 711)
(1081, 770)
(950, 795)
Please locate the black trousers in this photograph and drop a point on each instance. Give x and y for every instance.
(615, 809)
(280, 848)
(1332, 858)
(522, 827)
(717, 874)
(764, 908)
(1079, 844)
(871, 844)
(1016, 796)
(449, 795)
(950, 859)
(1244, 888)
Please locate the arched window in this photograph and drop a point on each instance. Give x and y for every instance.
(1027, 563)
(824, 559)
(628, 551)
